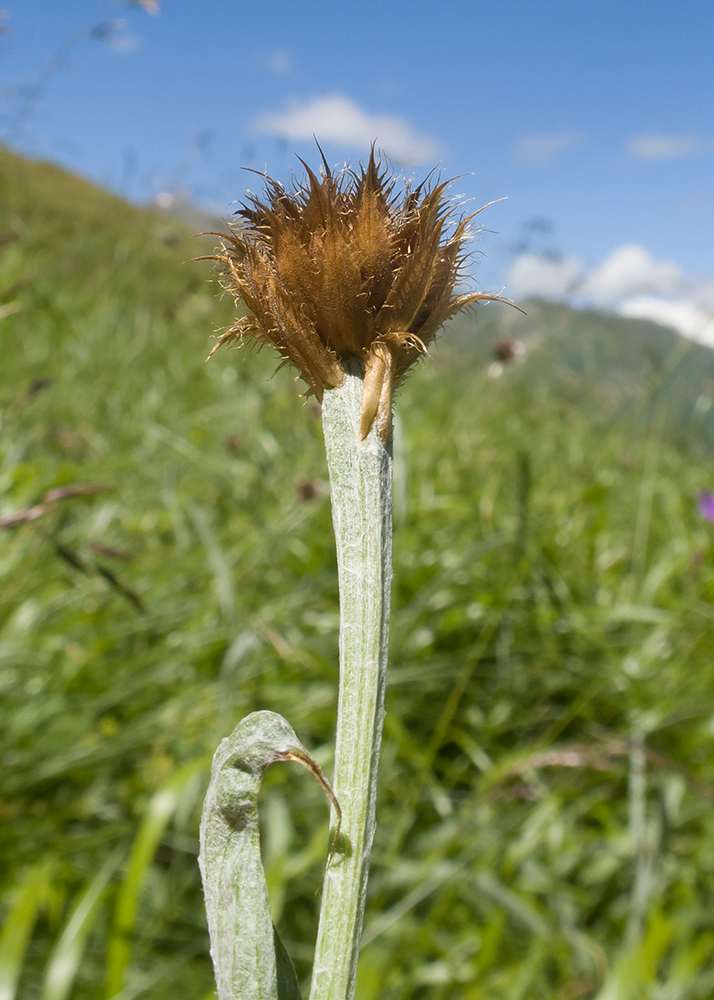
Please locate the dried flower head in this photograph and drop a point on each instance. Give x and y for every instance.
(347, 263)
(508, 349)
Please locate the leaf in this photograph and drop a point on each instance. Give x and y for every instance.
(31, 896)
(67, 952)
(639, 962)
(161, 808)
(249, 960)
(288, 988)
(218, 562)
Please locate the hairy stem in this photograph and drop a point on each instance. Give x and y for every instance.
(361, 490)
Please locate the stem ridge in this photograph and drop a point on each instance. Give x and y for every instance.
(361, 491)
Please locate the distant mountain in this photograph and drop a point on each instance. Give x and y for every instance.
(627, 360)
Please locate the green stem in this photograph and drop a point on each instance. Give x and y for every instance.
(361, 491)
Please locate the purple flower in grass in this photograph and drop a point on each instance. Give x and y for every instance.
(706, 505)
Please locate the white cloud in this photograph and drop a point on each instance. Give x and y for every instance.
(629, 282)
(338, 119)
(682, 314)
(704, 294)
(541, 277)
(663, 147)
(629, 270)
(540, 150)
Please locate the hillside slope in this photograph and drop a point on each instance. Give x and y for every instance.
(546, 819)
(599, 351)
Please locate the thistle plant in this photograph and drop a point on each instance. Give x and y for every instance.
(349, 276)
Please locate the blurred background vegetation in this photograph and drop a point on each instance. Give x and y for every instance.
(546, 814)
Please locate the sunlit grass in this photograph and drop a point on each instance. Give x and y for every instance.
(546, 823)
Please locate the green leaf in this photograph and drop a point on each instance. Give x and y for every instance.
(639, 962)
(249, 960)
(288, 988)
(161, 808)
(31, 895)
(67, 952)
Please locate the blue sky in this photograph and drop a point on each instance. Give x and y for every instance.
(595, 119)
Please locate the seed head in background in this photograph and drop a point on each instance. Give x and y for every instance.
(347, 263)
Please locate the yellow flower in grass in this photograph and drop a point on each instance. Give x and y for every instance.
(347, 263)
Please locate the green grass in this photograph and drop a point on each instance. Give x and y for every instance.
(546, 817)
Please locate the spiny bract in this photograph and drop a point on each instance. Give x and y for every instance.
(347, 263)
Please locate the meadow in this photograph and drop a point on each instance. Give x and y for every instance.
(546, 813)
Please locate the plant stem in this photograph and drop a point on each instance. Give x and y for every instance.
(361, 491)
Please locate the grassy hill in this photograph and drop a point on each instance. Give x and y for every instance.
(546, 819)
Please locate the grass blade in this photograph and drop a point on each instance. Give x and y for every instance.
(161, 808)
(30, 897)
(67, 952)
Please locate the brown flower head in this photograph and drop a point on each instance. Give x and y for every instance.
(347, 263)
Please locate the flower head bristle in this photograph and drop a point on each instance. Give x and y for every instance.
(346, 264)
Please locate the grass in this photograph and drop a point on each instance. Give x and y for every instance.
(546, 820)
